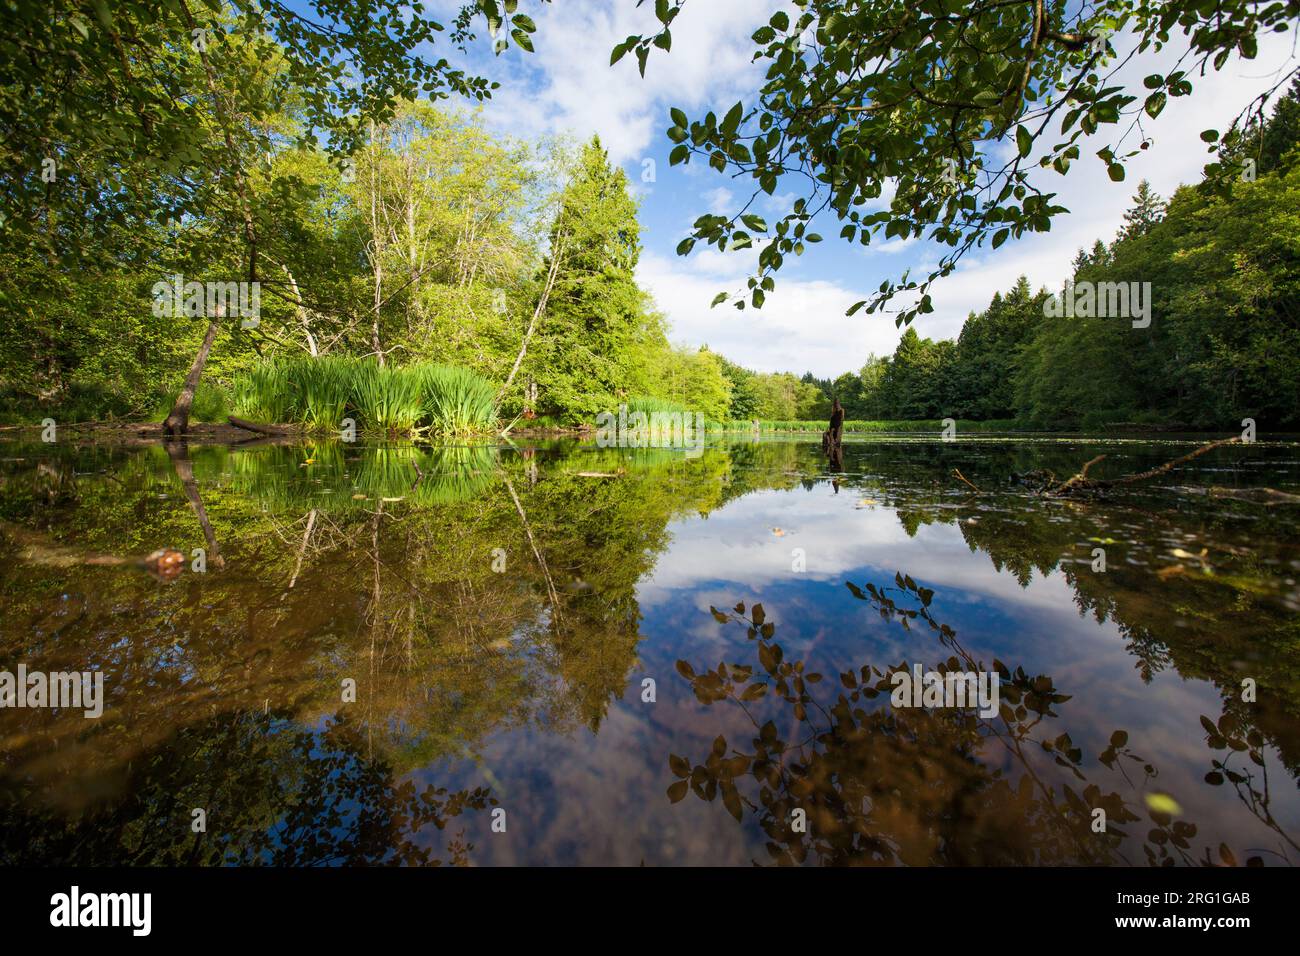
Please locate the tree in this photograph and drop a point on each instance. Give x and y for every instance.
(1147, 210)
(988, 350)
(597, 312)
(191, 91)
(914, 384)
(859, 94)
(695, 380)
(744, 392)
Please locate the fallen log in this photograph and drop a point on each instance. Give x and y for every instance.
(261, 429)
(34, 547)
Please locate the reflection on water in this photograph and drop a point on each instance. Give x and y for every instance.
(559, 654)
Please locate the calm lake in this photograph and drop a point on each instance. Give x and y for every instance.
(553, 653)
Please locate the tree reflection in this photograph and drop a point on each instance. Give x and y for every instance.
(273, 794)
(884, 785)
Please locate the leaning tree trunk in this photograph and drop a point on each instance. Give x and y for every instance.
(177, 421)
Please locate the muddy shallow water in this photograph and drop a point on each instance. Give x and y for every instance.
(556, 653)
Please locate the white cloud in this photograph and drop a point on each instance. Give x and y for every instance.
(802, 328)
(568, 85)
(719, 200)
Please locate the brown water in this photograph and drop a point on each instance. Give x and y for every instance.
(500, 618)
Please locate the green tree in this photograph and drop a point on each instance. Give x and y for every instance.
(597, 313)
(914, 385)
(1147, 210)
(860, 94)
(988, 351)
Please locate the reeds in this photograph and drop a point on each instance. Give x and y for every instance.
(861, 426)
(319, 393)
(337, 478)
(456, 401)
(387, 399)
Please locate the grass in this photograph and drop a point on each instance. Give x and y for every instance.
(388, 399)
(319, 393)
(338, 478)
(210, 404)
(263, 394)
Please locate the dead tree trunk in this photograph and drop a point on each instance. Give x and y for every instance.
(177, 422)
(556, 254)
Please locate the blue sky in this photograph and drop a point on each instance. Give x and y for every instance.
(567, 86)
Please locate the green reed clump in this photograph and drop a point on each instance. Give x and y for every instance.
(394, 400)
(456, 400)
(320, 390)
(919, 426)
(387, 399)
(264, 393)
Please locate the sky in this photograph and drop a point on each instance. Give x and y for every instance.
(567, 86)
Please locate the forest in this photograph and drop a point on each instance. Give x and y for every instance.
(445, 278)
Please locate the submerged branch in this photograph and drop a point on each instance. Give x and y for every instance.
(1081, 481)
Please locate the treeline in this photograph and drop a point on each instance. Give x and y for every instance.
(1223, 343)
(431, 241)
(437, 243)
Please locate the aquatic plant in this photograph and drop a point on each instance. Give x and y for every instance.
(386, 398)
(394, 400)
(456, 400)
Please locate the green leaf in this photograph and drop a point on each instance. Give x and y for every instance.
(731, 122)
(1024, 140)
(1116, 172)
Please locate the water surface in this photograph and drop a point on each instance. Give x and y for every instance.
(507, 613)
